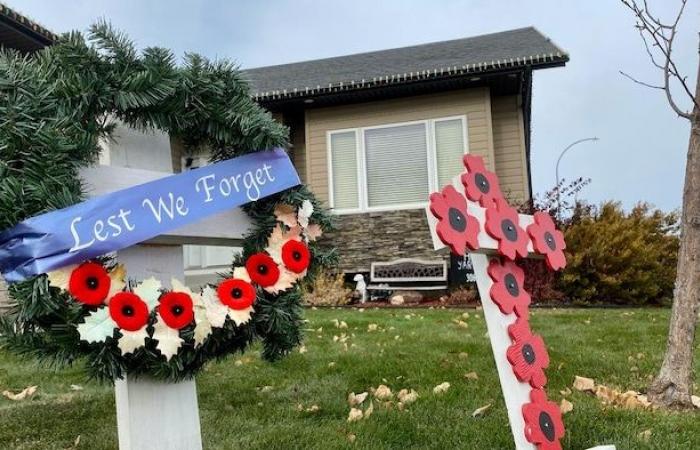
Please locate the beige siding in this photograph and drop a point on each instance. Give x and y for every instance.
(298, 134)
(509, 148)
(474, 103)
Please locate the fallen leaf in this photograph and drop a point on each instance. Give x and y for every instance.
(351, 438)
(356, 399)
(481, 411)
(354, 415)
(383, 392)
(76, 387)
(566, 406)
(303, 349)
(265, 389)
(76, 442)
(463, 355)
(407, 396)
(369, 410)
(584, 384)
(696, 400)
(645, 435)
(372, 327)
(313, 409)
(441, 388)
(566, 391)
(462, 324)
(25, 393)
(471, 376)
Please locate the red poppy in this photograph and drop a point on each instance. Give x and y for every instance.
(527, 355)
(236, 294)
(502, 224)
(456, 228)
(89, 283)
(547, 240)
(262, 269)
(480, 185)
(128, 311)
(507, 290)
(296, 256)
(176, 309)
(543, 424)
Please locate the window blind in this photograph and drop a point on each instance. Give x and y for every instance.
(449, 149)
(397, 165)
(344, 169)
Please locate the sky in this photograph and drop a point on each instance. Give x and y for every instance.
(642, 148)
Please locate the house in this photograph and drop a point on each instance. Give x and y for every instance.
(374, 133)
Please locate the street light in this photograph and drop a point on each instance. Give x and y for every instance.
(557, 169)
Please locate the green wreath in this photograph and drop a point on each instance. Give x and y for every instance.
(55, 105)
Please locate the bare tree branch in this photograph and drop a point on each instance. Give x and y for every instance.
(653, 86)
(662, 36)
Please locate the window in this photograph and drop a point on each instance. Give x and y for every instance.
(393, 166)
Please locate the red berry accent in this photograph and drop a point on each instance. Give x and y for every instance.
(236, 294)
(262, 269)
(89, 284)
(176, 309)
(128, 311)
(456, 228)
(296, 256)
(547, 240)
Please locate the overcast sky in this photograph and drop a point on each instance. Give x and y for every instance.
(642, 147)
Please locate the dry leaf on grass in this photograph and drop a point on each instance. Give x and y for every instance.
(471, 376)
(76, 387)
(303, 349)
(356, 399)
(354, 415)
(25, 393)
(696, 401)
(462, 324)
(481, 411)
(313, 409)
(566, 406)
(383, 392)
(645, 435)
(566, 391)
(407, 396)
(369, 410)
(441, 388)
(372, 327)
(584, 384)
(351, 438)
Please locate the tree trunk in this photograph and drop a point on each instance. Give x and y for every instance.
(673, 386)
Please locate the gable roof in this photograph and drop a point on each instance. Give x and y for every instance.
(520, 48)
(22, 33)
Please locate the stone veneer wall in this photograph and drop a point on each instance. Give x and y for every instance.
(381, 236)
(4, 298)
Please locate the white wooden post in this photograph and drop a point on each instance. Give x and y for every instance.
(151, 414)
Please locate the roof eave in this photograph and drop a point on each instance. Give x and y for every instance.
(535, 62)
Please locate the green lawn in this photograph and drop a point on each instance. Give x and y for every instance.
(416, 349)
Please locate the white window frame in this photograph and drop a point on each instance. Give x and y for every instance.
(361, 157)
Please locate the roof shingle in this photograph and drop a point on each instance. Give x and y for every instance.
(520, 47)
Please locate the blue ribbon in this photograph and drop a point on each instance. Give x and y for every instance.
(124, 218)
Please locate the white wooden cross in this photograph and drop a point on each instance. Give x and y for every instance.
(516, 393)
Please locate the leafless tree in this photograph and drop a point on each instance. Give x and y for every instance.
(673, 385)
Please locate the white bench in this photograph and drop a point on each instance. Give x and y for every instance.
(410, 274)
